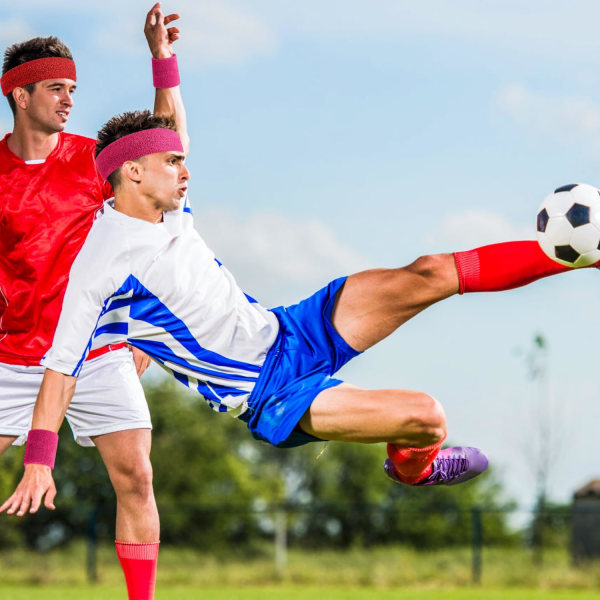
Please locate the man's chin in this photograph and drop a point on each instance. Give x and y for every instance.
(174, 205)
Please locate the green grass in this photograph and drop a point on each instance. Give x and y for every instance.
(289, 593)
(396, 572)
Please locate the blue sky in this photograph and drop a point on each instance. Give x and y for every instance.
(333, 136)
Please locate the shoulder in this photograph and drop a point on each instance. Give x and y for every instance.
(73, 141)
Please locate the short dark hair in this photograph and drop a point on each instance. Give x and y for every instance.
(39, 47)
(125, 124)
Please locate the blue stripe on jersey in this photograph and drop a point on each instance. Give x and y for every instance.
(89, 344)
(112, 328)
(161, 352)
(145, 306)
(187, 207)
(119, 303)
(180, 377)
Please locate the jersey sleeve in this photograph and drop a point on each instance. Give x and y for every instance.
(82, 307)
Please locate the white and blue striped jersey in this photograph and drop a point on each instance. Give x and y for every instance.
(161, 289)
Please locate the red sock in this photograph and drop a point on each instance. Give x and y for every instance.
(413, 464)
(138, 562)
(503, 266)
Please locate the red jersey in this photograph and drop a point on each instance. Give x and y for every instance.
(46, 211)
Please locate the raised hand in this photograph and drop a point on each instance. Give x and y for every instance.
(160, 37)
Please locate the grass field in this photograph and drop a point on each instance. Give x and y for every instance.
(291, 593)
(358, 574)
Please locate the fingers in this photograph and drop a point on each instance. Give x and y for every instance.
(152, 16)
(7, 504)
(49, 500)
(29, 494)
(169, 18)
(18, 503)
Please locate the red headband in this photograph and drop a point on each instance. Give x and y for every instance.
(37, 70)
(136, 145)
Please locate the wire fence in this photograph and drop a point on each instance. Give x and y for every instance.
(277, 523)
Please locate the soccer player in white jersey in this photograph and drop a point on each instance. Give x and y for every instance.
(49, 192)
(145, 274)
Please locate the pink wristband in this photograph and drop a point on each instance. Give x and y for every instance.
(165, 73)
(41, 447)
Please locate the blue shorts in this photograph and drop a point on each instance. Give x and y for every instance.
(299, 365)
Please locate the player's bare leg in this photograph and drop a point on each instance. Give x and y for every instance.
(413, 424)
(373, 304)
(5, 442)
(126, 455)
(352, 414)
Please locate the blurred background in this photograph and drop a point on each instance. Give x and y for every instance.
(329, 137)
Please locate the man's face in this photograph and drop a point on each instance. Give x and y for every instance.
(164, 179)
(49, 105)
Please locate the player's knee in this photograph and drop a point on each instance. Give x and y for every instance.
(433, 268)
(134, 478)
(428, 421)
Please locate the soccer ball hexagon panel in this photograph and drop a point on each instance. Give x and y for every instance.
(568, 225)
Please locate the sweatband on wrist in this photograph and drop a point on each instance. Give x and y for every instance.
(37, 70)
(41, 447)
(165, 72)
(134, 146)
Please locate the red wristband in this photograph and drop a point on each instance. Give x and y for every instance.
(165, 73)
(41, 447)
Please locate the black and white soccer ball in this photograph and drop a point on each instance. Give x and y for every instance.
(568, 225)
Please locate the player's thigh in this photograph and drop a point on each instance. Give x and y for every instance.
(108, 398)
(6, 441)
(372, 304)
(19, 386)
(125, 452)
(349, 413)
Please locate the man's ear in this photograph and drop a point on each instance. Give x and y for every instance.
(132, 170)
(21, 97)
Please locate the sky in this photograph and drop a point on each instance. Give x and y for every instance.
(330, 137)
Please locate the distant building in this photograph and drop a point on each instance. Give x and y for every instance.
(585, 531)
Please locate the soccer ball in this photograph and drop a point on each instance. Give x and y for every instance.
(568, 225)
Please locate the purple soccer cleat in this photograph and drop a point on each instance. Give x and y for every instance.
(451, 466)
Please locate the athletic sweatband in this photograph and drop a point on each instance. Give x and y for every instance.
(165, 72)
(38, 70)
(135, 145)
(41, 447)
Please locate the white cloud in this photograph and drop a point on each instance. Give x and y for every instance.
(213, 32)
(474, 228)
(544, 27)
(223, 34)
(562, 116)
(275, 257)
(15, 30)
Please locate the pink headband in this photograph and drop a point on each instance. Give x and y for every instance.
(136, 145)
(37, 70)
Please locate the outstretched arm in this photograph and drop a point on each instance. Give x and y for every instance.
(37, 483)
(168, 101)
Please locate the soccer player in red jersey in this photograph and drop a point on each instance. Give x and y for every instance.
(49, 193)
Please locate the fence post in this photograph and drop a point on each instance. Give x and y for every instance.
(280, 541)
(476, 544)
(92, 546)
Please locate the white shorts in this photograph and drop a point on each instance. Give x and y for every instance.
(108, 398)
